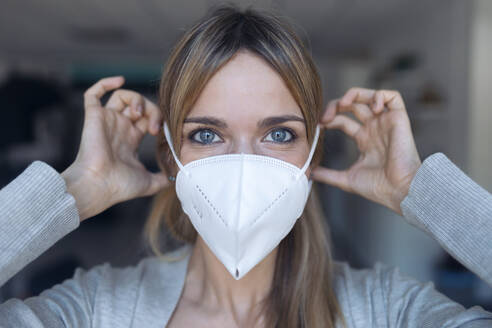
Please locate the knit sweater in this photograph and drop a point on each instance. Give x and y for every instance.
(36, 211)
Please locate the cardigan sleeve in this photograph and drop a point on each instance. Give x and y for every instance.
(35, 212)
(454, 210)
(383, 296)
(69, 304)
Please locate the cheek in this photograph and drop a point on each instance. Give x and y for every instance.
(295, 153)
(296, 156)
(187, 155)
(190, 152)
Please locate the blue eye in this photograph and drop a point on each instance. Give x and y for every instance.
(280, 135)
(205, 136)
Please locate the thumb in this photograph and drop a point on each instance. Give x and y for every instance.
(335, 178)
(158, 181)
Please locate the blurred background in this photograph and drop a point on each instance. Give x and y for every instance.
(436, 53)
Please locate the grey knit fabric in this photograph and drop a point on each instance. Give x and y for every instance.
(36, 211)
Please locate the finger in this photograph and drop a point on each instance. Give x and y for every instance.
(153, 117)
(358, 95)
(127, 112)
(137, 105)
(335, 178)
(361, 111)
(378, 105)
(158, 181)
(362, 96)
(330, 111)
(128, 102)
(143, 125)
(391, 99)
(378, 100)
(92, 96)
(147, 115)
(344, 123)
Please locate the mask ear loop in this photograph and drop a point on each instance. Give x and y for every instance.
(311, 153)
(167, 134)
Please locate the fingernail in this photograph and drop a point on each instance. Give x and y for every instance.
(140, 109)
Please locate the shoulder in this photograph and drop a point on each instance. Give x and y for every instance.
(381, 281)
(384, 296)
(370, 295)
(151, 267)
(355, 285)
(115, 286)
(378, 274)
(116, 297)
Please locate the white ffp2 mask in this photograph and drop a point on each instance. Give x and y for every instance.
(242, 205)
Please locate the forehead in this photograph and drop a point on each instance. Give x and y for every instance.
(244, 89)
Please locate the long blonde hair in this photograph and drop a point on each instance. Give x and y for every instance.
(302, 293)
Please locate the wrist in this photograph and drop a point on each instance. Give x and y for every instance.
(403, 189)
(398, 196)
(80, 187)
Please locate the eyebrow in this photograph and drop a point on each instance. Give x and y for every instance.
(273, 120)
(266, 122)
(209, 120)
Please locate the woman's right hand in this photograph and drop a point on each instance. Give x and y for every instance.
(107, 170)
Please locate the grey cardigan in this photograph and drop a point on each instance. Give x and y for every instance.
(36, 211)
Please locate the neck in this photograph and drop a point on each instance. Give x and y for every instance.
(212, 284)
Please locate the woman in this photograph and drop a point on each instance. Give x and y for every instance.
(240, 96)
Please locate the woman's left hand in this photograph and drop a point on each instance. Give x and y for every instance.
(388, 158)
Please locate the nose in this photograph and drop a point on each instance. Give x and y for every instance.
(242, 144)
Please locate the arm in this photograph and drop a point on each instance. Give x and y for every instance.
(69, 304)
(434, 196)
(35, 212)
(449, 206)
(41, 206)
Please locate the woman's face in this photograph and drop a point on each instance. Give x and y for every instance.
(245, 108)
